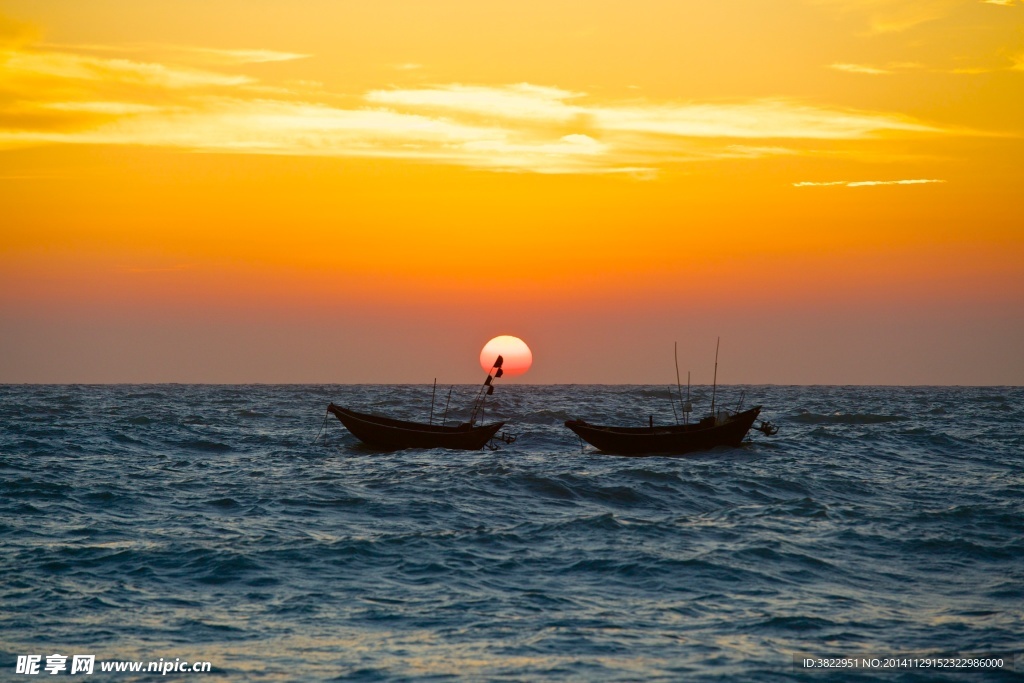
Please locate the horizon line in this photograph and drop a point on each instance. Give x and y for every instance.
(523, 384)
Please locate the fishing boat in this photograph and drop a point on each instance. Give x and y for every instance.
(719, 428)
(386, 432)
(723, 429)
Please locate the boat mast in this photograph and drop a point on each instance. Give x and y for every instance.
(432, 394)
(714, 382)
(675, 351)
(445, 420)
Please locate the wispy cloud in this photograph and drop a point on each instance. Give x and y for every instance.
(903, 67)
(520, 101)
(220, 56)
(893, 16)
(182, 53)
(75, 67)
(764, 119)
(860, 69)
(111, 108)
(869, 183)
(93, 96)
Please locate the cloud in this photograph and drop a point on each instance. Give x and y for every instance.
(774, 118)
(98, 95)
(868, 183)
(859, 69)
(896, 67)
(893, 16)
(75, 67)
(520, 101)
(760, 119)
(182, 53)
(218, 56)
(112, 108)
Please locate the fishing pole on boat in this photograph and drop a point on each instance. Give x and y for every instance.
(486, 389)
(445, 420)
(672, 398)
(714, 383)
(432, 394)
(687, 407)
(675, 352)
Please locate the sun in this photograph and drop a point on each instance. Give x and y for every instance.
(516, 354)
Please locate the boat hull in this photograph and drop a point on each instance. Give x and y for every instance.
(667, 440)
(386, 432)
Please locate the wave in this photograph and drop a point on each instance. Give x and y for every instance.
(548, 417)
(657, 393)
(845, 418)
(204, 445)
(145, 394)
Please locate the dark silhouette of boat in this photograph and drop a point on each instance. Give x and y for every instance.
(727, 429)
(719, 428)
(386, 432)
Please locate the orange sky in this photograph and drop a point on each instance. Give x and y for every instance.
(338, 192)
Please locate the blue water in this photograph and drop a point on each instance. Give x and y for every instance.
(203, 523)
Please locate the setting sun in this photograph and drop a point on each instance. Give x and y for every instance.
(517, 355)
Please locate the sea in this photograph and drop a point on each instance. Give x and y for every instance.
(879, 535)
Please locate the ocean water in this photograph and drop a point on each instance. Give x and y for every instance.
(202, 523)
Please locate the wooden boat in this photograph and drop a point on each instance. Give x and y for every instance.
(727, 429)
(386, 432)
(720, 428)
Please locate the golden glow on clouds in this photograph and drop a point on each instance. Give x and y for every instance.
(869, 183)
(893, 16)
(860, 69)
(520, 127)
(24, 65)
(183, 53)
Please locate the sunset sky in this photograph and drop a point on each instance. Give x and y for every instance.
(324, 191)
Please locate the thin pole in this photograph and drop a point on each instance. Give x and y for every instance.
(481, 397)
(714, 383)
(432, 401)
(675, 351)
(443, 422)
(687, 396)
(673, 404)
